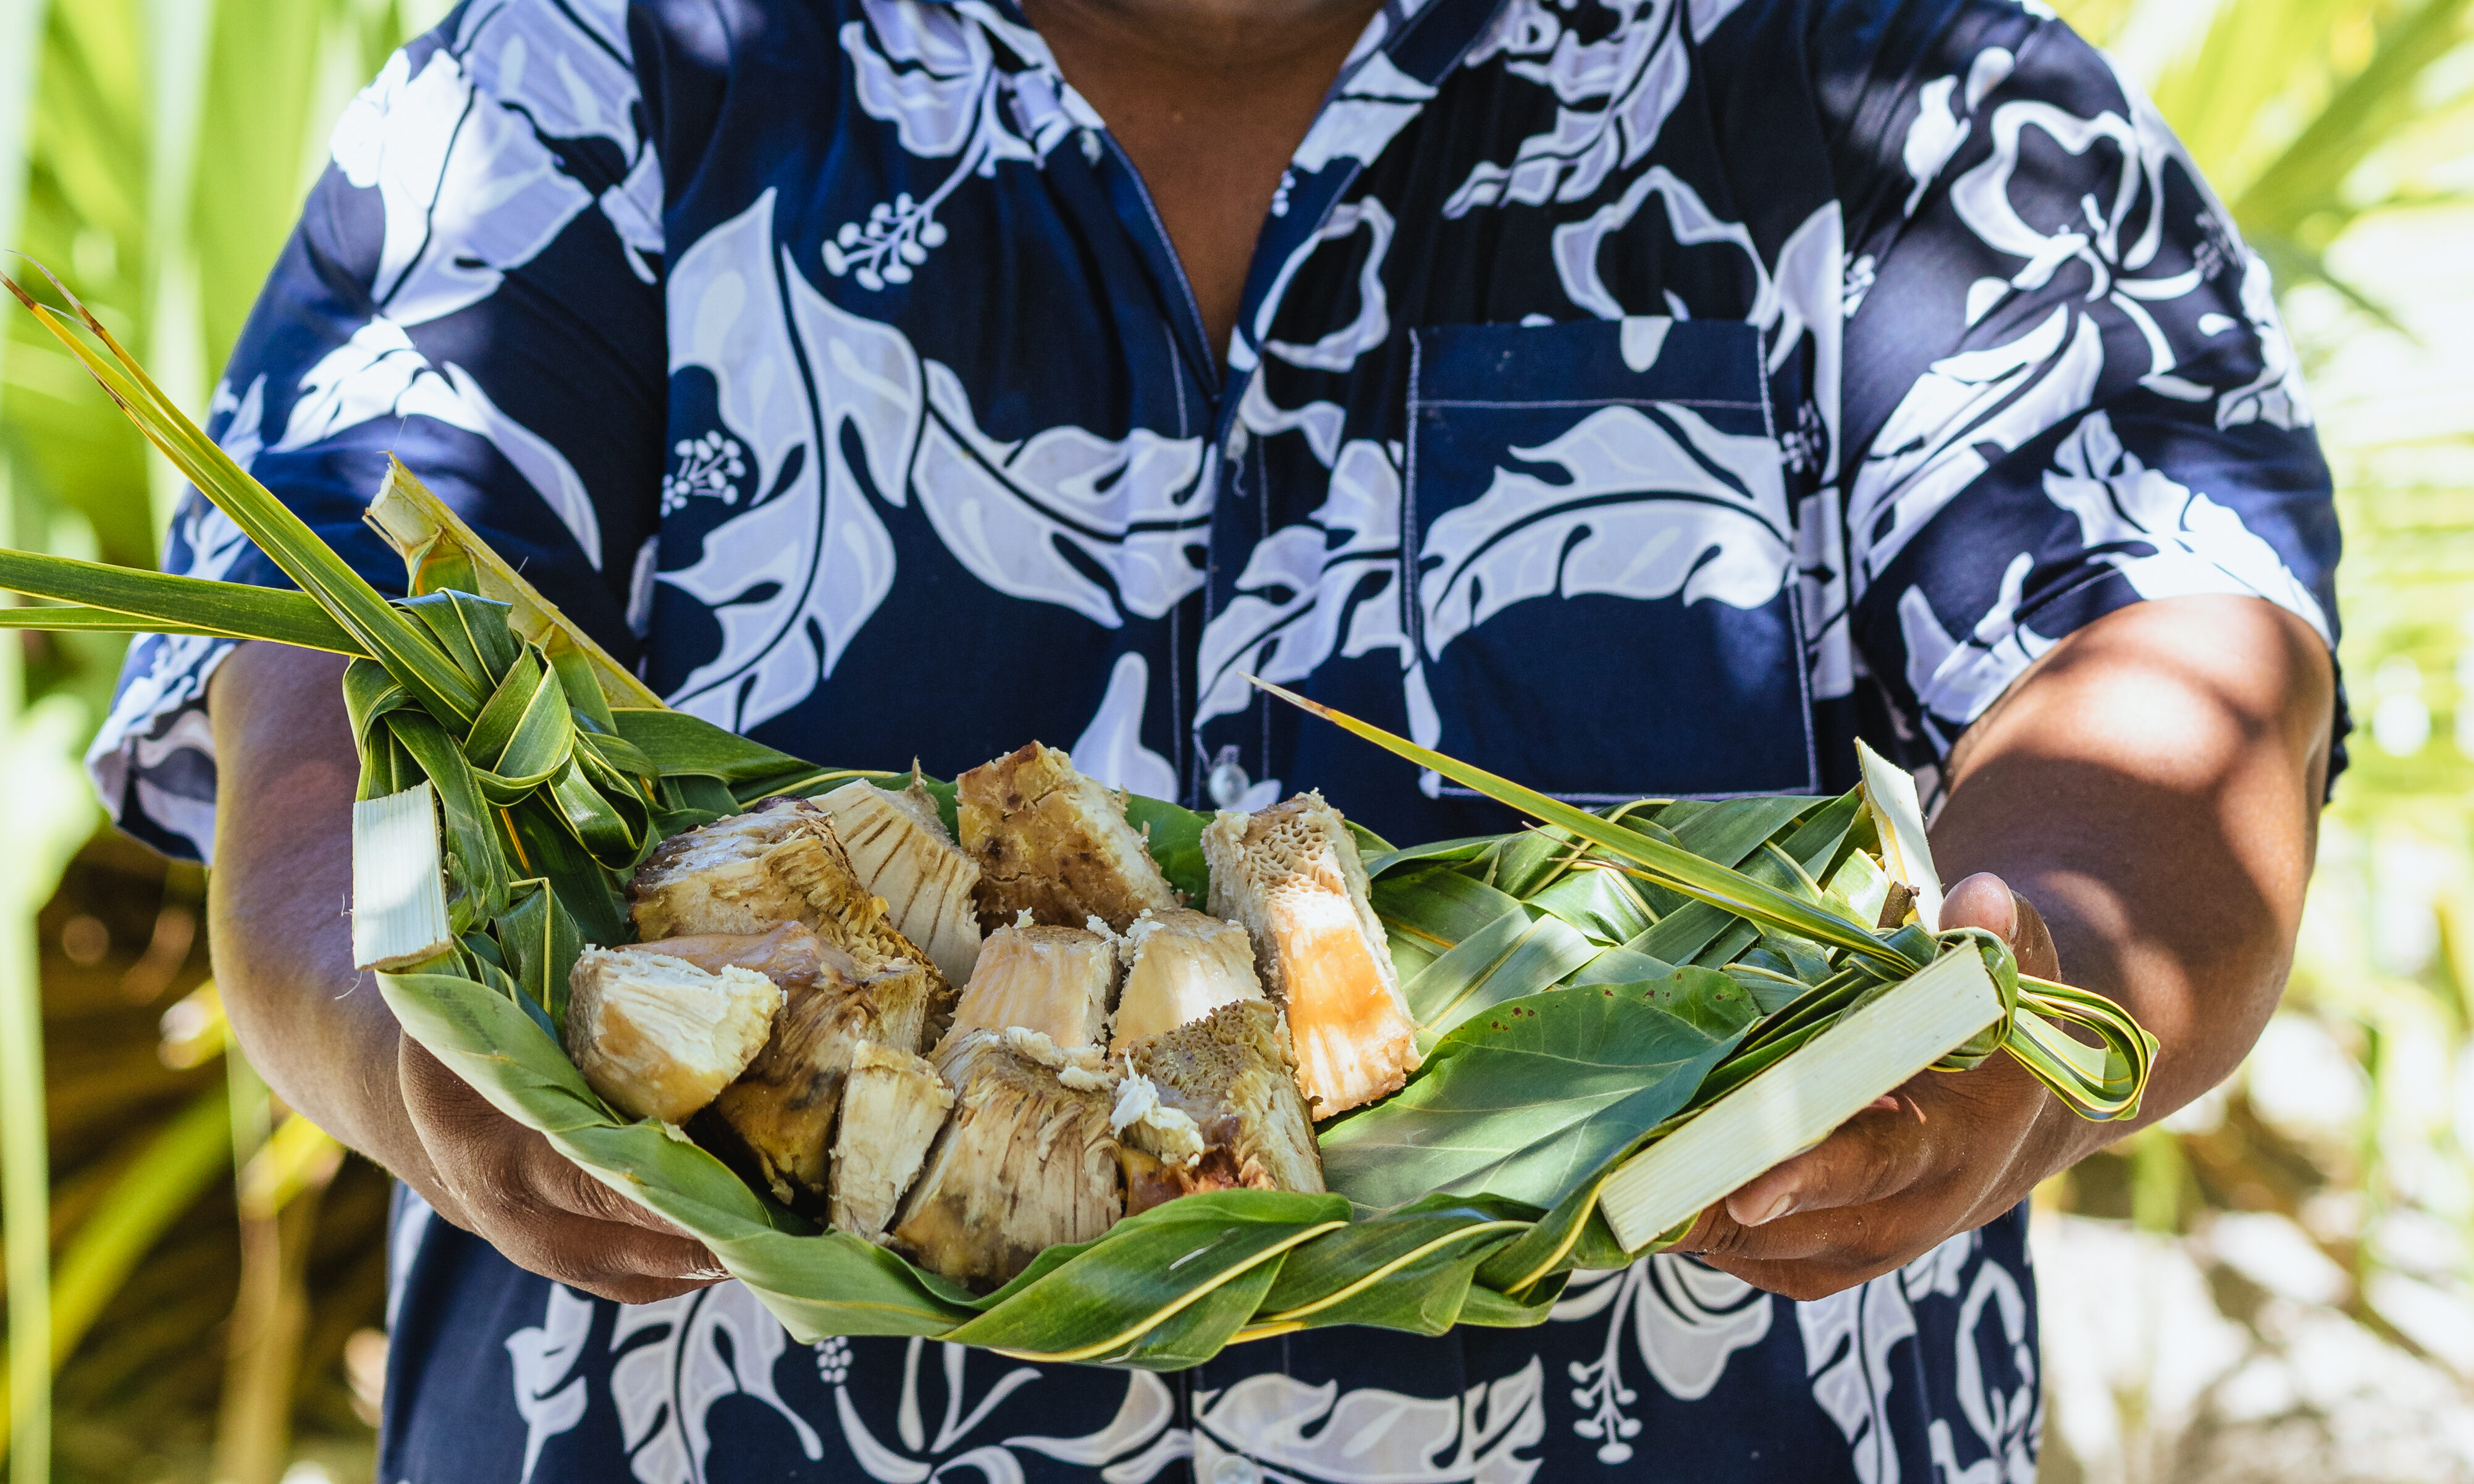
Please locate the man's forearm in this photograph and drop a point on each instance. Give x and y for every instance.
(278, 901)
(2153, 787)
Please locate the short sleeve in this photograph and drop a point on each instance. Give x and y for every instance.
(2067, 386)
(473, 288)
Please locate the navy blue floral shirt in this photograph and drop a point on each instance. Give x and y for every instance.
(1630, 395)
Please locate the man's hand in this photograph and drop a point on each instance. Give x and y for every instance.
(2153, 784)
(1946, 1153)
(323, 1039)
(502, 1181)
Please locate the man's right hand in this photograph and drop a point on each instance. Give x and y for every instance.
(278, 903)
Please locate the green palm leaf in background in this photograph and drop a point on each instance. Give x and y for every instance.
(2340, 134)
(157, 150)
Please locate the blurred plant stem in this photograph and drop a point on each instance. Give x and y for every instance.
(280, 1191)
(25, 1172)
(142, 1202)
(25, 1164)
(2158, 1174)
(154, 153)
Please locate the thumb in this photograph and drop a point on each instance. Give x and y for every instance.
(1985, 900)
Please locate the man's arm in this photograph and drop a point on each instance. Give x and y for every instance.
(325, 1040)
(2153, 786)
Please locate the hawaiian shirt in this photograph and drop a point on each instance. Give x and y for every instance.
(1631, 397)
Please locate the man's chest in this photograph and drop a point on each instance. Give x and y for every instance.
(955, 460)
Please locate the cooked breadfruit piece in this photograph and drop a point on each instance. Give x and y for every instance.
(1292, 876)
(912, 1004)
(1055, 842)
(1181, 966)
(715, 878)
(892, 1106)
(790, 955)
(780, 862)
(1141, 1121)
(659, 1038)
(781, 1109)
(900, 852)
(1026, 1161)
(1053, 980)
(1230, 1076)
(783, 862)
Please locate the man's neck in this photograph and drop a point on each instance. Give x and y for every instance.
(1209, 98)
(1208, 40)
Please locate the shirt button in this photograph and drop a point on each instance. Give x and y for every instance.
(1228, 781)
(1237, 441)
(1236, 1471)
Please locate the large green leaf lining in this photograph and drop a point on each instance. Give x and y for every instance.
(1526, 1100)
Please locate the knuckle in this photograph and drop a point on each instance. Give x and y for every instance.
(1720, 1235)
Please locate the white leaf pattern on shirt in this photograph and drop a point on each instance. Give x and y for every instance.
(813, 543)
(1654, 503)
(713, 1343)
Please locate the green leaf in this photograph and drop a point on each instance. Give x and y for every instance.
(1513, 956)
(1175, 836)
(690, 745)
(542, 937)
(1411, 1270)
(1732, 891)
(1438, 907)
(1103, 1300)
(1732, 831)
(163, 603)
(1525, 1102)
(1467, 849)
(1599, 902)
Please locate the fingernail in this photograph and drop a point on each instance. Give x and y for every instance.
(1779, 1205)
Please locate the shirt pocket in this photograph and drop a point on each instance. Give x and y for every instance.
(1601, 559)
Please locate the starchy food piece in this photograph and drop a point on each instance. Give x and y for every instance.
(783, 862)
(1181, 966)
(1140, 1120)
(659, 1038)
(914, 1004)
(1058, 981)
(898, 847)
(790, 954)
(1025, 1161)
(715, 878)
(1055, 843)
(1231, 1078)
(780, 862)
(781, 1109)
(892, 1106)
(1290, 874)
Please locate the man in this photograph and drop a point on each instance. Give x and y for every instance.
(1634, 397)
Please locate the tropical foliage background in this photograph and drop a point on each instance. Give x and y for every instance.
(194, 1279)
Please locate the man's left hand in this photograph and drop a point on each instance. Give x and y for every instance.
(1942, 1155)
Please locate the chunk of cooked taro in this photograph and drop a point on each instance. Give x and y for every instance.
(790, 954)
(1229, 1079)
(1026, 1159)
(1055, 844)
(1292, 876)
(658, 1037)
(1181, 966)
(1053, 980)
(892, 1106)
(898, 847)
(780, 1110)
